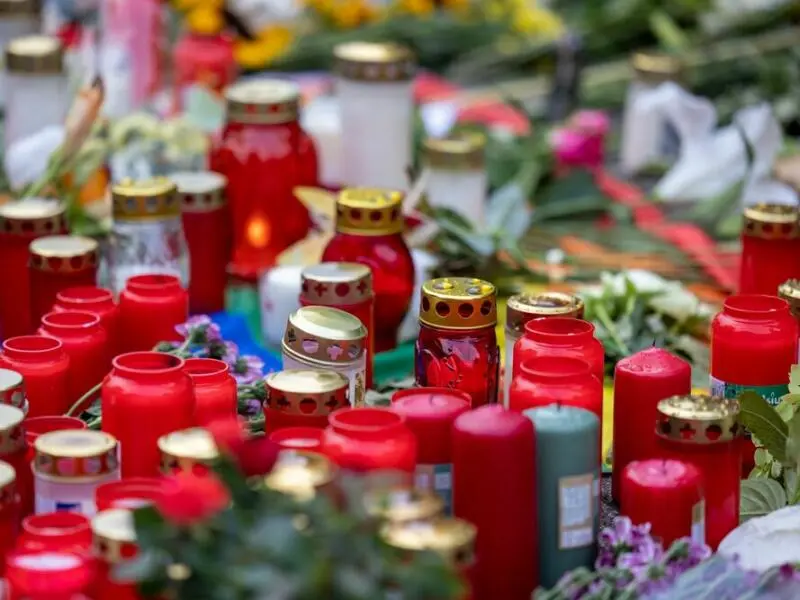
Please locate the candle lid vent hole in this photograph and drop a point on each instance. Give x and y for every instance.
(442, 309)
(713, 432)
(465, 310)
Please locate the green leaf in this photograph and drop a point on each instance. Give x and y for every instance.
(794, 380)
(764, 422)
(793, 442)
(760, 497)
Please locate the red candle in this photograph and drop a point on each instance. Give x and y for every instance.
(150, 307)
(430, 414)
(129, 493)
(556, 380)
(770, 248)
(668, 494)
(703, 431)
(303, 398)
(494, 488)
(97, 301)
(9, 510)
(56, 532)
(202, 61)
(215, 390)
(45, 366)
(58, 262)
(308, 439)
(14, 451)
(145, 396)
(640, 382)
(85, 343)
(115, 541)
(48, 575)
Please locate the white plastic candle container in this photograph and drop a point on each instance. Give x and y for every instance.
(279, 294)
(321, 120)
(18, 18)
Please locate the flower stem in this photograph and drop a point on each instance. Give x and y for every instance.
(83, 402)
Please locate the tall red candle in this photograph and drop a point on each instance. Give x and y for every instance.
(430, 413)
(494, 488)
(114, 541)
(303, 398)
(770, 248)
(668, 494)
(9, 510)
(97, 301)
(150, 307)
(45, 366)
(640, 382)
(215, 390)
(556, 380)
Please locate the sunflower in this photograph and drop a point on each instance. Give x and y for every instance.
(272, 43)
(205, 20)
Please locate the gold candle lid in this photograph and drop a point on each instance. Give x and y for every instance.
(656, 67)
(325, 335)
(63, 253)
(372, 61)
(301, 474)
(20, 8)
(771, 221)
(145, 199)
(39, 54)
(458, 303)
(12, 436)
(452, 539)
(369, 211)
(202, 191)
(403, 504)
(463, 152)
(114, 535)
(182, 450)
(790, 291)
(336, 284)
(8, 485)
(262, 102)
(307, 392)
(75, 454)
(12, 389)
(32, 217)
(698, 419)
(522, 308)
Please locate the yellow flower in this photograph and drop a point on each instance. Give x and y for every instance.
(535, 20)
(272, 43)
(348, 14)
(458, 6)
(187, 5)
(205, 20)
(416, 7)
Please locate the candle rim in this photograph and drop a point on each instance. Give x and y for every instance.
(346, 421)
(148, 363)
(201, 369)
(401, 401)
(755, 305)
(686, 469)
(286, 434)
(533, 367)
(28, 346)
(86, 294)
(559, 330)
(55, 524)
(151, 283)
(70, 320)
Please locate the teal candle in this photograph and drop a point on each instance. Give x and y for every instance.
(568, 482)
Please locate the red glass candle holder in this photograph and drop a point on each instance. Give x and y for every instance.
(369, 439)
(770, 248)
(146, 395)
(129, 493)
(369, 230)
(56, 532)
(115, 542)
(48, 575)
(150, 307)
(202, 60)
(215, 390)
(97, 301)
(36, 426)
(58, 262)
(14, 451)
(264, 154)
(457, 343)
(308, 439)
(556, 380)
(85, 343)
(9, 511)
(303, 398)
(45, 366)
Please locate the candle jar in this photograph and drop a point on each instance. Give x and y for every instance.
(402, 504)
(298, 438)
(327, 339)
(141, 385)
(12, 390)
(58, 262)
(703, 431)
(36, 87)
(48, 575)
(189, 450)
(522, 308)
(129, 493)
(68, 467)
(369, 230)
(150, 307)
(14, 452)
(374, 86)
(45, 366)
(215, 390)
(9, 511)
(20, 224)
(348, 287)
(457, 343)
(264, 155)
(147, 235)
(770, 248)
(278, 292)
(207, 228)
(94, 300)
(114, 541)
(18, 18)
(56, 532)
(303, 475)
(201, 60)
(303, 398)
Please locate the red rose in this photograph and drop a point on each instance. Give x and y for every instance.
(229, 435)
(189, 498)
(255, 456)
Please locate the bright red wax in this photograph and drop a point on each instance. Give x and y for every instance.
(299, 438)
(767, 263)
(45, 286)
(666, 494)
(150, 307)
(85, 342)
(129, 493)
(145, 396)
(203, 60)
(640, 382)
(9, 518)
(48, 575)
(208, 236)
(494, 488)
(56, 532)
(275, 420)
(215, 390)
(45, 366)
(19, 460)
(97, 301)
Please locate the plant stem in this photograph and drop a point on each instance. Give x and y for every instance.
(82, 403)
(605, 319)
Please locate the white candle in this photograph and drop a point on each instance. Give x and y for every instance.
(18, 18)
(321, 120)
(279, 293)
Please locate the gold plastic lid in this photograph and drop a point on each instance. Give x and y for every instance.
(452, 539)
(369, 211)
(771, 221)
(200, 191)
(20, 8)
(75, 454)
(336, 284)
(656, 67)
(462, 152)
(114, 535)
(403, 504)
(324, 335)
(12, 388)
(39, 54)
(370, 61)
(698, 419)
(301, 474)
(790, 291)
(32, 217)
(146, 199)
(522, 308)
(262, 102)
(458, 303)
(12, 437)
(8, 485)
(307, 392)
(64, 253)
(182, 450)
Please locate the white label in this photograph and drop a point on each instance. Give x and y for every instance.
(576, 505)
(699, 522)
(48, 505)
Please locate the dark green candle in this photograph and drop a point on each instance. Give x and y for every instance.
(568, 482)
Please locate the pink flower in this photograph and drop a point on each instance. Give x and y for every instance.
(190, 498)
(576, 148)
(591, 122)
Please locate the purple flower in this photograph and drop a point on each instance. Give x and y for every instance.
(199, 329)
(247, 369)
(231, 353)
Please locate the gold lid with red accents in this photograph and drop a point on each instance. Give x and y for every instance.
(8, 485)
(369, 211)
(306, 392)
(402, 504)
(452, 539)
(324, 335)
(12, 436)
(771, 221)
(114, 535)
(75, 455)
(202, 191)
(301, 474)
(336, 284)
(462, 303)
(182, 450)
(374, 61)
(12, 388)
(32, 217)
(262, 102)
(522, 308)
(64, 253)
(698, 419)
(145, 199)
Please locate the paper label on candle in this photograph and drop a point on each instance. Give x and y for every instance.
(699, 522)
(770, 393)
(48, 505)
(438, 479)
(576, 506)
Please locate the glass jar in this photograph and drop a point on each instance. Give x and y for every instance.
(150, 307)
(303, 475)
(303, 398)
(298, 438)
(374, 86)
(369, 230)
(348, 287)
(36, 86)
(264, 154)
(141, 385)
(522, 308)
(18, 18)
(58, 262)
(147, 234)
(97, 301)
(114, 541)
(129, 493)
(21, 223)
(207, 228)
(215, 390)
(204, 61)
(45, 366)
(327, 339)
(770, 248)
(187, 450)
(457, 343)
(14, 452)
(48, 575)
(703, 431)
(9, 511)
(56, 532)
